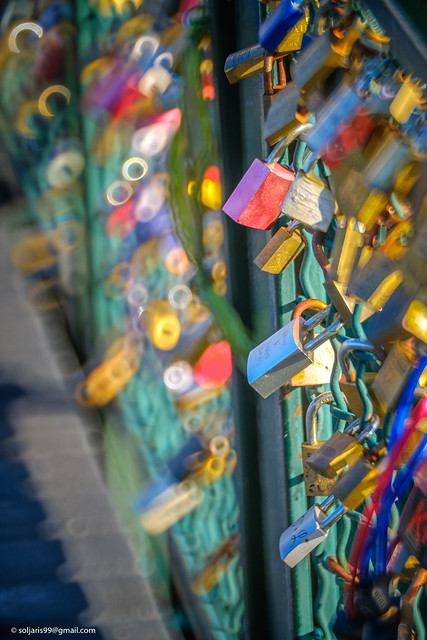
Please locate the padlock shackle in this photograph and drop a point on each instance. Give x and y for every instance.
(327, 503)
(293, 225)
(324, 336)
(311, 415)
(370, 429)
(315, 320)
(334, 517)
(354, 425)
(309, 303)
(353, 344)
(280, 148)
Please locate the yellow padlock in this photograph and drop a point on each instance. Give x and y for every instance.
(162, 325)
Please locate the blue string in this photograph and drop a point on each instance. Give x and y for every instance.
(406, 398)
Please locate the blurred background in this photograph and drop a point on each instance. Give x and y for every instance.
(119, 502)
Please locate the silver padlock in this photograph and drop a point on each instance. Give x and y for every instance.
(308, 531)
(286, 353)
(310, 199)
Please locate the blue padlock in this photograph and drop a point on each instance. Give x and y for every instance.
(279, 23)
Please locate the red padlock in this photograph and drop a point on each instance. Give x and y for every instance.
(257, 200)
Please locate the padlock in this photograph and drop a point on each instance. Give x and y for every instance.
(397, 241)
(405, 101)
(348, 386)
(110, 377)
(391, 378)
(217, 565)
(315, 484)
(341, 449)
(162, 324)
(314, 66)
(353, 486)
(336, 291)
(256, 201)
(320, 371)
(286, 353)
(347, 347)
(288, 20)
(285, 113)
(244, 63)
(340, 109)
(34, 254)
(387, 168)
(170, 506)
(375, 280)
(346, 250)
(413, 262)
(402, 316)
(308, 531)
(356, 200)
(310, 200)
(352, 136)
(282, 249)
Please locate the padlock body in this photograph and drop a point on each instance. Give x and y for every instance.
(375, 281)
(278, 25)
(338, 111)
(346, 250)
(276, 360)
(303, 536)
(400, 318)
(392, 376)
(257, 199)
(315, 65)
(310, 201)
(341, 449)
(315, 484)
(244, 64)
(280, 251)
(356, 484)
(320, 371)
(281, 117)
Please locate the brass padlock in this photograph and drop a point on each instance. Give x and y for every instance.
(346, 250)
(391, 378)
(310, 200)
(315, 484)
(170, 506)
(375, 280)
(402, 316)
(405, 101)
(357, 200)
(244, 63)
(336, 291)
(341, 449)
(353, 486)
(282, 249)
(322, 58)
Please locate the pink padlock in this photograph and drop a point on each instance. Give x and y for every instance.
(257, 200)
